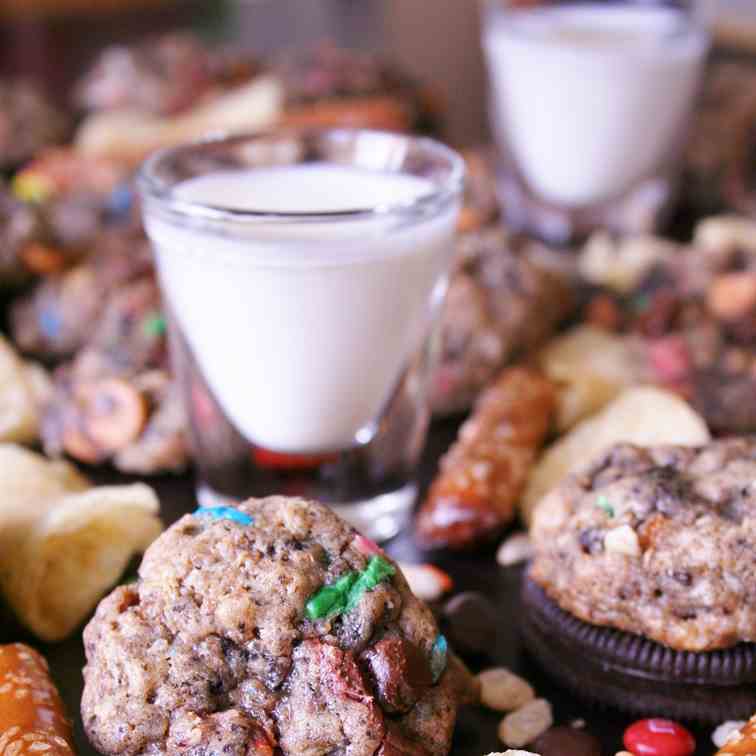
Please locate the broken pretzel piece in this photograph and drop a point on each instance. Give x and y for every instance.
(483, 474)
(32, 720)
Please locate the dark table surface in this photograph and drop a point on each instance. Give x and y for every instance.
(476, 729)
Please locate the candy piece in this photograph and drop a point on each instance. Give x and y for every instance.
(471, 622)
(378, 569)
(343, 595)
(280, 461)
(32, 187)
(566, 741)
(502, 690)
(670, 358)
(49, 323)
(121, 200)
(439, 657)
(400, 672)
(366, 546)
(603, 503)
(154, 325)
(224, 513)
(526, 724)
(658, 737)
(426, 581)
(330, 600)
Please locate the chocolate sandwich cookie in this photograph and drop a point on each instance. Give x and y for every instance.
(613, 668)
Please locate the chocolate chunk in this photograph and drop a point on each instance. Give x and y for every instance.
(470, 621)
(400, 672)
(613, 668)
(566, 741)
(397, 744)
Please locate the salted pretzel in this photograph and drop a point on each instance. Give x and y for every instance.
(742, 742)
(32, 721)
(483, 474)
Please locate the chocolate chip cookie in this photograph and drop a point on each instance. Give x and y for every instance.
(269, 626)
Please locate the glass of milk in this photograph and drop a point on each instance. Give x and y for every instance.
(302, 275)
(589, 105)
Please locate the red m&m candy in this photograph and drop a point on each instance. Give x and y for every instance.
(659, 737)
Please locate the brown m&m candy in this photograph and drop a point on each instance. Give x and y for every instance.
(566, 741)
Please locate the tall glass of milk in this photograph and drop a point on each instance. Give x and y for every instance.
(589, 104)
(302, 275)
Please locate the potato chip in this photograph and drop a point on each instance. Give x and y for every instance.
(591, 366)
(130, 135)
(63, 543)
(23, 387)
(726, 232)
(621, 264)
(642, 415)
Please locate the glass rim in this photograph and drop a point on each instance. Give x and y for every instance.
(150, 186)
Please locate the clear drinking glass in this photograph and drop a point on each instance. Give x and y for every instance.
(302, 276)
(589, 104)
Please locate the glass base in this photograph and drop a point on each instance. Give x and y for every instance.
(378, 518)
(643, 210)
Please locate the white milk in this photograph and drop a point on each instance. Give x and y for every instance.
(302, 330)
(591, 99)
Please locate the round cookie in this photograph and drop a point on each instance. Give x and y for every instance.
(271, 625)
(638, 595)
(657, 541)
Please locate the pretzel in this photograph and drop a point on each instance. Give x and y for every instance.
(485, 471)
(742, 742)
(32, 721)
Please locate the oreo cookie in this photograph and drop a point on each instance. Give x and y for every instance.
(610, 667)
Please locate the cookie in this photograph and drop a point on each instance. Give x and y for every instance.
(271, 625)
(656, 542)
(613, 668)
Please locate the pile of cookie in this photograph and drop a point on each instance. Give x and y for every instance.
(624, 443)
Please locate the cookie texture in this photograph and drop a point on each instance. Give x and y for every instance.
(660, 542)
(272, 628)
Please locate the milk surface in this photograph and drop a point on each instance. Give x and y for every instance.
(589, 98)
(303, 329)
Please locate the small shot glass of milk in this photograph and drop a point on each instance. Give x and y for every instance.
(589, 104)
(302, 275)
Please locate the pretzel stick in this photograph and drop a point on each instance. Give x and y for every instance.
(485, 471)
(32, 721)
